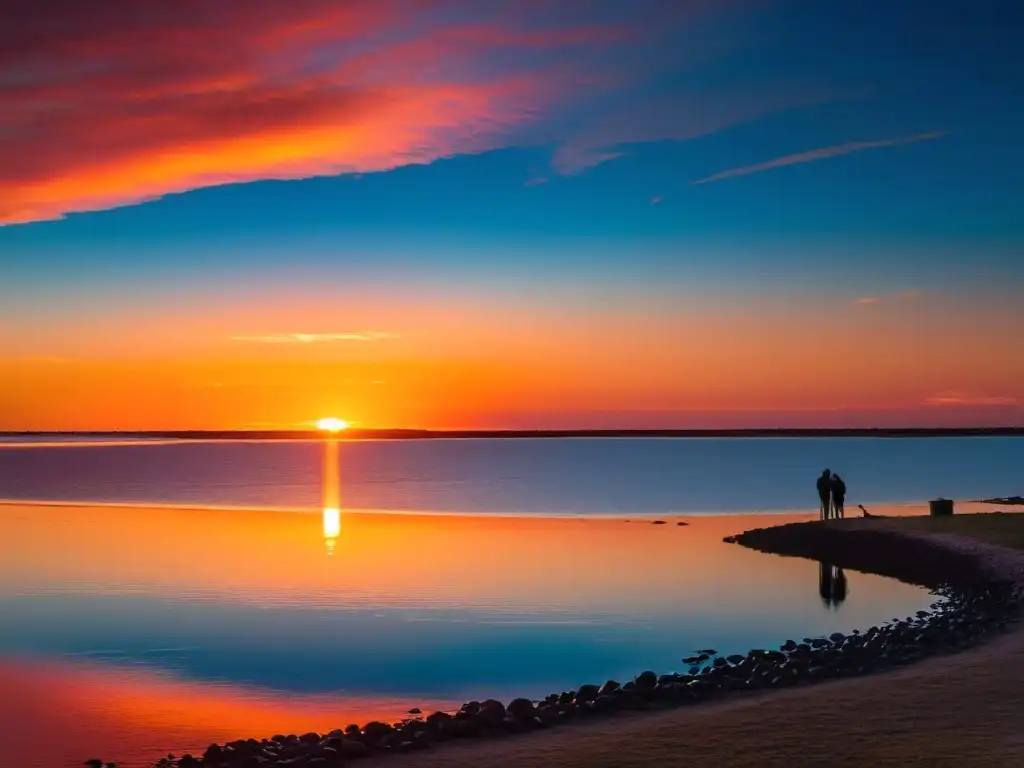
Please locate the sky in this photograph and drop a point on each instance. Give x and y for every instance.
(451, 214)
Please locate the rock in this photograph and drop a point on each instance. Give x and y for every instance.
(375, 730)
(423, 740)
(736, 659)
(706, 652)
(471, 707)
(646, 680)
(522, 709)
(605, 703)
(837, 637)
(608, 688)
(212, 753)
(415, 711)
(492, 712)
(587, 693)
(94, 763)
(658, 522)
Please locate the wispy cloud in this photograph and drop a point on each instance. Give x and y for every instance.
(656, 199)
(535, 181)
(969, 399)
(866, 301)
(228, 94)
(315, 338)
(819, 154)
(678, 117)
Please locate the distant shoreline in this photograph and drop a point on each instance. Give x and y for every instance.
(424, 434)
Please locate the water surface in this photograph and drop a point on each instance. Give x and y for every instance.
(205, 591)
(650, 476)
(134, 632)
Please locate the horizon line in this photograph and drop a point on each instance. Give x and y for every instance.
(418, 433)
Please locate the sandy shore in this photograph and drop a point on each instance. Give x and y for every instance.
(962, 710)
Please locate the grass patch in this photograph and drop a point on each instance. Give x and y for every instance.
(1005, 529)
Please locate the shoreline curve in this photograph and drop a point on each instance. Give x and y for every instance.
(982, 585)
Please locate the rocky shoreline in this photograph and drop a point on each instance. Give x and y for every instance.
(973, 605)
(1006, 501)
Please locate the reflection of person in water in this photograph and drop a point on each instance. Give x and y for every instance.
(831, 584)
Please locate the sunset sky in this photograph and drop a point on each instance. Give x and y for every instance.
(529, 214)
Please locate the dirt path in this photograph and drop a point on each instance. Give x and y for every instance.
(963, 710)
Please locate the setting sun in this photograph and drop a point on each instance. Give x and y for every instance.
(331, 424)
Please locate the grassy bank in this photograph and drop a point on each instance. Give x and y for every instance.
(999, 528)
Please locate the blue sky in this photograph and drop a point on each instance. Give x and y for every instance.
(710, 152)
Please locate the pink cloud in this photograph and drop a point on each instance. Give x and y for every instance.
(898, 296)
(123, 101)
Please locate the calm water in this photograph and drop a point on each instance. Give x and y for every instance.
(134, 631)
(534, 477)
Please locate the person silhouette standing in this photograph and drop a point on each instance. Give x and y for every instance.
(825, 494)
(838, 496)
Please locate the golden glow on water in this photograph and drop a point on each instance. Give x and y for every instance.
(460, 572)
(514, 571)
(331, 483)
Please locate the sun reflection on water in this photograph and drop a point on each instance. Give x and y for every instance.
(331, 495)
(332, 527)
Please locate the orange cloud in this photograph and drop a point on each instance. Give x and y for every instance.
(121, 102)
(315, 338)
(968, 399)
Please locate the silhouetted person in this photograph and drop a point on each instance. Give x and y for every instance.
(838, 496)
(825, 493)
